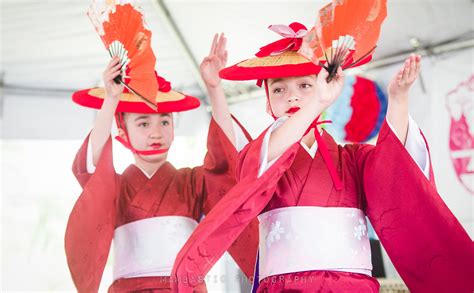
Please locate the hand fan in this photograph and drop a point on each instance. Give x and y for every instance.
(345, 34)
(121, 26)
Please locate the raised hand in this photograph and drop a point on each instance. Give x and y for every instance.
(400, 85)
(397, 112)
(112, 89)
(328, 92)
(215, 61)
(104, 119)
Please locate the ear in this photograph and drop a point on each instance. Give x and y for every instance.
(267, 95)
(268, 108)
(122, 134)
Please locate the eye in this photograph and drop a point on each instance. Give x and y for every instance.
(305, 85)
(143, 124)
(277, 90)
(165, 123)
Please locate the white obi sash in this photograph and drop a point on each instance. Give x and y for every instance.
(149, 247)
(307, 238)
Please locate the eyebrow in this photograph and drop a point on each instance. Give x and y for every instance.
(275, 80)
(306, 77)
(141, 117)
(165, 114)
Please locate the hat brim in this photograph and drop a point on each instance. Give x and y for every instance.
(171, 101)
(286, 64)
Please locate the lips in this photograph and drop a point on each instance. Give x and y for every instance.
(156, 145)
(293, 110)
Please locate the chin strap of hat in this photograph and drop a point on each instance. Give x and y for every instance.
(323, 149)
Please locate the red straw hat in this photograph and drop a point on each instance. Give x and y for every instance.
(275, 60)
(167, 100)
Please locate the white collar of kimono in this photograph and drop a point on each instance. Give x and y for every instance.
(145, 173)
(311, 150)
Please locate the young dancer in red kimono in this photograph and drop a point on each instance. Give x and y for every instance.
(311, 195)
(151, 209)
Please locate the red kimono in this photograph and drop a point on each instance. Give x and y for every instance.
(111, 200)
(428, 246)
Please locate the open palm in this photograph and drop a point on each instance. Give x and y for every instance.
(405, 77)
(214, 62)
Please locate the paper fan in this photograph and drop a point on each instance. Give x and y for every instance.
(121, 26)
(345, 34)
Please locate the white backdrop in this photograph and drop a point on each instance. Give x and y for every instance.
(48, 48)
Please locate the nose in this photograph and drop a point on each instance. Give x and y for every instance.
(156, 133)
(293, 98)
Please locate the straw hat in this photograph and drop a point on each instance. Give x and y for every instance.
(275, 60)
(166, 101)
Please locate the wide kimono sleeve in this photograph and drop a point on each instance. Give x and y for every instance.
(91, 224)
(219, 168)
(426, 243)
(230, 216)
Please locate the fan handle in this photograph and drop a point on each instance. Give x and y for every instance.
(118, 79)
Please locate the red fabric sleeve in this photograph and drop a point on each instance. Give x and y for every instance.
(219, 170)
(220, 164)
(91, 224)
(226, 221)
(79, 166)
(426, 243)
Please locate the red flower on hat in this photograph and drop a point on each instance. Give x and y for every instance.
(163, 85)
(293, 38)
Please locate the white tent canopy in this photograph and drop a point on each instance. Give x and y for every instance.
(50, 49)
